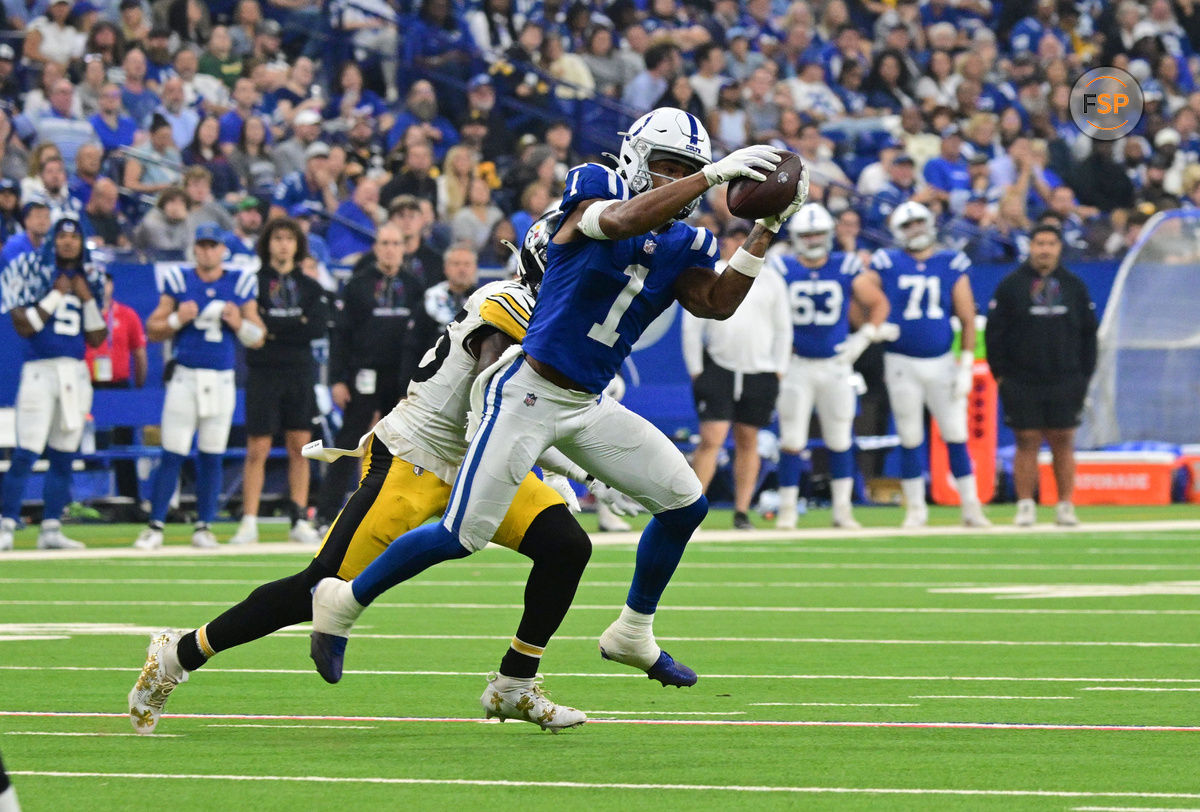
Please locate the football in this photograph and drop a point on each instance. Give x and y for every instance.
(754, 199)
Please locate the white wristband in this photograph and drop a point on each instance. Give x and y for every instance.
(50, 302)
(174, 322)
(250, 333)
(746, 263)
(34, 318)
(589, 223)
(92, 320)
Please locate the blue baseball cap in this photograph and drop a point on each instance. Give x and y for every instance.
(903, 158)
(209, 232)
(9, 185)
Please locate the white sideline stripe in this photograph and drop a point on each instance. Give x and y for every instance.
(976, 696)
(836, 704)
(1139, 689)
(890, 610)
(61, 733)
(65, 630)
(281, 727)
(631, 538)
(627, 675)
(658, 722)
(667, 713)
(1135, 809)
(481, 782)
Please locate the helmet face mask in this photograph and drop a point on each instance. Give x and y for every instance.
(912, 226)
(811, 232)
(531, 256)
(662, 134)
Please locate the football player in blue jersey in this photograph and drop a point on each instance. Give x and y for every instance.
(925, 287)
(821, 285)
(619, 257)
(52, 296)
(203, 310)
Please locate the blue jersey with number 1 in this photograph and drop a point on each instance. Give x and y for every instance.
(598, 296)
(820, 302)
(921, 295)
(207, 342)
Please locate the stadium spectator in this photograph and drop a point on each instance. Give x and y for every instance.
(363, 147)
(10, 87)
(1041, 345)
(444, 300)
(847, 234)
(663, 62)
(735, 366)
(415, 175)
(10, 209)
(352, 231)
(535, 199)
(946, 175)
(247, 15)
(62, 123)
(183, 119)
(318, 250)
(51, 187)
(371, 354)
(573, 78)
(351, 97)
(708, 79)
(827, 182)
(472, 223)
(155, 166)
(887, 84)
(102, 218)
(900, 186)
(31, 184)
(88, 161)
(421, 111)
(812, 95)
(728, 121)
(316, 185)
(137, 96)
(680, 95)
(202, 206)
(91, 84)
(457, 171)
(493, 26)
(52, 37)
(242, 239)
(219, 60)
(421, 259)
(158, 56)
(289, 154)
(610, 70)
(114, 129)
(199, 88)
(251, 158)
(438, 44)
(280, 377)
(758, 95)
(134, 26)
(1098, 180)
(246, 101)
(204, 150)
(296, 94)
(165, 227)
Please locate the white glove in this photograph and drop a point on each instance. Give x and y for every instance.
(563, 486)
(774, 222)
(854, 345)
(964, 377)
(617, 502)
(744, 162)
(888, 331)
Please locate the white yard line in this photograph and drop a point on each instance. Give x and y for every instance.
(976, 696)
(619, 539)
(836, 704)
(132, 669)
(282, 727)
(479, 782)
(84, 735)
(853, 610)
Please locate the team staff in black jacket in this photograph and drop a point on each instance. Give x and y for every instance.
(1041, 346)
(372, 351)
(279, 385)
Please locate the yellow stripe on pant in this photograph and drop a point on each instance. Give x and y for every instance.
(394, 496)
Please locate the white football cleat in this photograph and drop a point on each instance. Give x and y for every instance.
(972, 515)
(51, 538)
(1064, 515)
(204, 538)
(160, 674)
(8, 529)
(303, 532)
(844, 520)
(524, 700)
(1026, 513)
(151, 538)
(247, 532)
(916, 517)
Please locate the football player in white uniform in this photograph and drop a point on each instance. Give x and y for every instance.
(618, 259)
(821, 284)
(925, 287)
(409, 461)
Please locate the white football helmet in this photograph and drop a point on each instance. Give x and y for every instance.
(913, 226)
(663, 133)
(811, 231)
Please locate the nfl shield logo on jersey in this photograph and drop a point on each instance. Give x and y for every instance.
(530, 398)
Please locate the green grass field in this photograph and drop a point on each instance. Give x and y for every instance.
(991, 671)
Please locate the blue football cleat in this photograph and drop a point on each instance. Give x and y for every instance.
(668, 672)
(328, 651)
